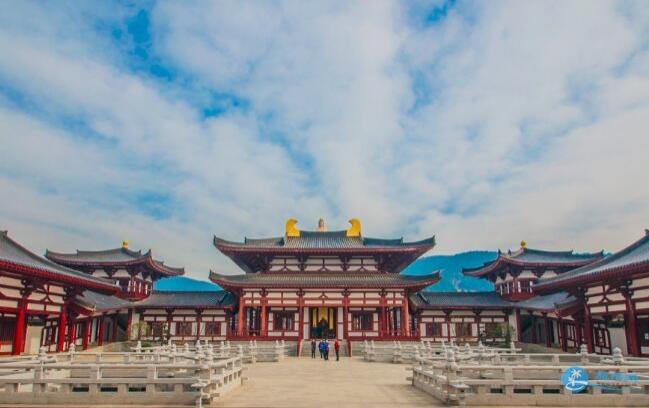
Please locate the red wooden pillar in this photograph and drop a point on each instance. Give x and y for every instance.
(263, 330)
(405, 317)
(129, 323)
(100, 333)
(72, 330)
(631, 324)
(19, 329)
(86, 333)
(346, 314)
(383, 330)
(300, 316)
(588, 329)
(63, 324)
(241, 319)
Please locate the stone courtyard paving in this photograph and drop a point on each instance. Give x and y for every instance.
(305, 382)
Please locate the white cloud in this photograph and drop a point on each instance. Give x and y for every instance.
(514, 121)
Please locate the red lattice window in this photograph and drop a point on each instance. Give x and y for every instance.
(212, 328)
(362, 321)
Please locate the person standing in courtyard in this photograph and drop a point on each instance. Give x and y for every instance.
(313, 346)
(326, 350)
(321, 348)
(337, 349)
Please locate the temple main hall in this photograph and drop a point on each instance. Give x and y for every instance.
(306, 284)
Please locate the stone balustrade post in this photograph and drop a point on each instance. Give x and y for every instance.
(508, 378)
(42, 353)
(583, 352)
(618, 358)
(72, 352)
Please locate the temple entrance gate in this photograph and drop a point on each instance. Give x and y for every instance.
(322, 322)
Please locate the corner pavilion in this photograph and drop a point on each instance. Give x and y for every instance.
(321, 283)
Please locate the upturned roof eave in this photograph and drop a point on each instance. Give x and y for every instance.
(223, 281)
(106, 287)
(144, 259)
(501, 261)
(230, 246)
(554, 284)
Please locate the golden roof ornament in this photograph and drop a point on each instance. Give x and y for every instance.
(355, 229)
(321, 225)
(125, 244)
(291, 229)
(523, 244)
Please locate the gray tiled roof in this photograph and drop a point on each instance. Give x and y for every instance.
(546, 303)
(459, 300)
(198, 299)
(634, 256)
(313, 279)
(109, 255)
(99, 302)
(324, 239)
(551, 257)
(15, 254)
(535, 257)
(116, 256)
(220, 298)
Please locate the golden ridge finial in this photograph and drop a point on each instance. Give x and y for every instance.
(291, 229)
(355, 229)
(125, 244)
(321, 225)
(523, 244)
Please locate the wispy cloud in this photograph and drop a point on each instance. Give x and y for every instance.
(483, 123)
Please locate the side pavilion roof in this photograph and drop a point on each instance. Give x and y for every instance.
(17, 259)
(96, 302)
(622, 264)
(297, 280)
(113, 258)
(532, 258)
(459, 300)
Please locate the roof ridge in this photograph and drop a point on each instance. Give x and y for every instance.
(596, 264)
(49, 263)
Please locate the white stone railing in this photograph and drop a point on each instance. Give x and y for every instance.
(139, 379)
(528, 383)
(408, 352)
(251, 351)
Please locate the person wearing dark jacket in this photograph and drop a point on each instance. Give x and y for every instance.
(337, 349)
(326, 350)
(313, 346)
(321, 348)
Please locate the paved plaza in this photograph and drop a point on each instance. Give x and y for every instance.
(304, 382)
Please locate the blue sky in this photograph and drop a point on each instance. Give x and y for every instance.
(167, 122)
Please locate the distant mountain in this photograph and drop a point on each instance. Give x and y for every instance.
(184, 284)
(449, 265)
